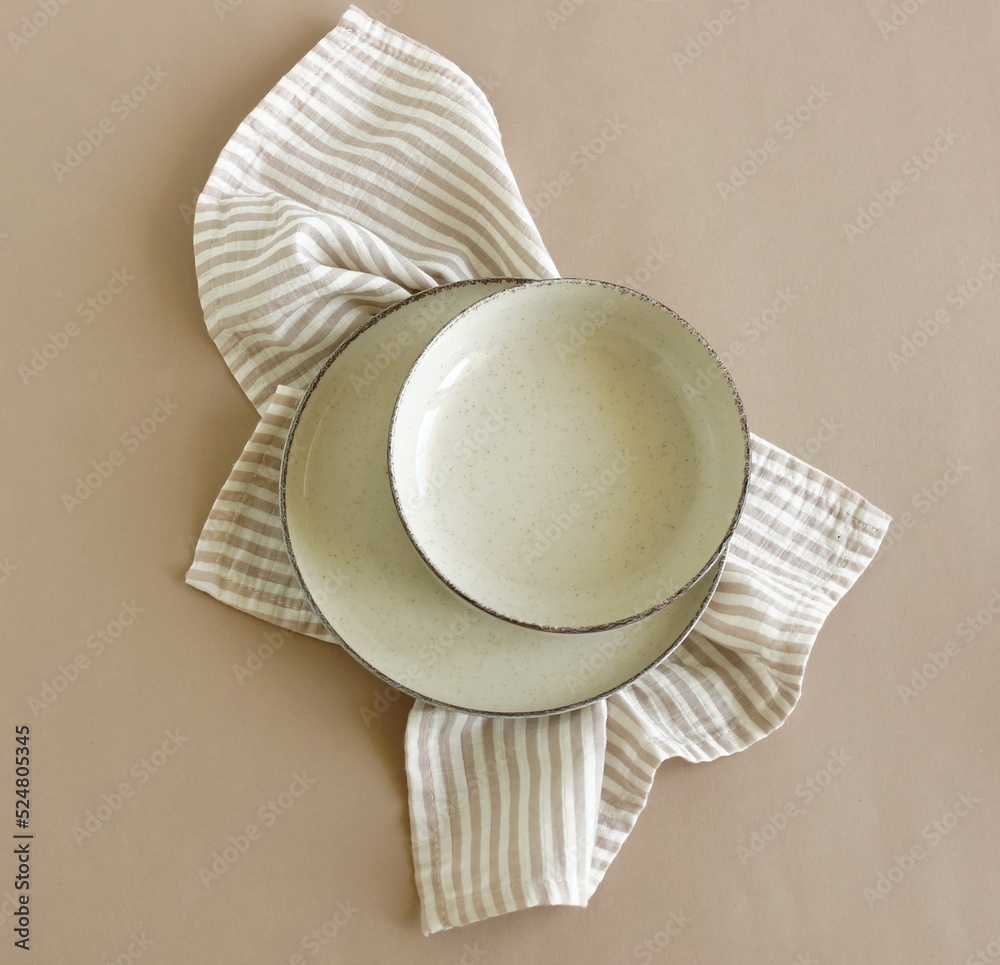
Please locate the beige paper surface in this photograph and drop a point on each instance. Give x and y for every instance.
(205, 788)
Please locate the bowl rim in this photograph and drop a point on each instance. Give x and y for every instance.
(611, 624)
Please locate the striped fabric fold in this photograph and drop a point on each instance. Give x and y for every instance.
(240, 558)
(374, 170)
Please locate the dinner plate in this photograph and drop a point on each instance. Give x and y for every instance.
(372, 589)
(569, 455)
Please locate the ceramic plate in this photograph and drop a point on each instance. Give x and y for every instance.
(569, 455)
(370, 586)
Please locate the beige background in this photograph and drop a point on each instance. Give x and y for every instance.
(818, 380)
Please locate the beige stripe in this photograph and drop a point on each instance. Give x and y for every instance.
(551, 781)
(574, 776)
(501, 804)
(444, 782)
(536, 872)
(484, 751)
(420, 818)
(428, 875)
(463, 842)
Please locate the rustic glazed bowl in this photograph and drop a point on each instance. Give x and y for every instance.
(564, 452)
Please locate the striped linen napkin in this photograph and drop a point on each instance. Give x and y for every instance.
(372, 171)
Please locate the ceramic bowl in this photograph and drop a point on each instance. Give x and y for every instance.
(568, 455)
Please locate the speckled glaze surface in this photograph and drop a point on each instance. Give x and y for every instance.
(568, 455)
(371, 587)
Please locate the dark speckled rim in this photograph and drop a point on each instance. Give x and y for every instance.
(670, 647)
(614, 624)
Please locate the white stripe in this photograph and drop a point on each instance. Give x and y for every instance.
(548, 856)
(524, 858)
(421, 843)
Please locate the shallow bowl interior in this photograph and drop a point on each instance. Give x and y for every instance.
(568, 455)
